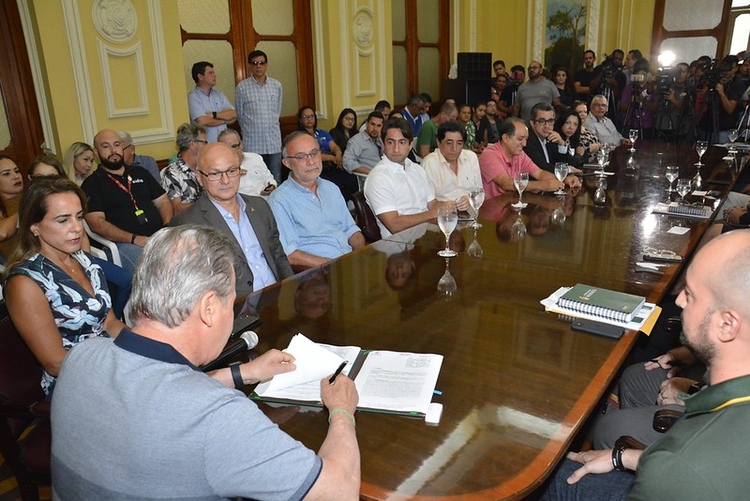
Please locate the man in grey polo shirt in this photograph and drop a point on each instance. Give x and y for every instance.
(135, 418)
(365, 148)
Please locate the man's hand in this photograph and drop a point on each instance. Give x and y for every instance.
(267, 190)
(463, 203)
(555, 137)
(572, 181)
(666, 362)
(342, 394)
(593, 462)
(549, 184)
(266, 366)
(670, 388)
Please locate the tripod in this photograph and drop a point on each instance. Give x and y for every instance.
(669, 130)
(711, 130)
(634, 111)
(611, 103)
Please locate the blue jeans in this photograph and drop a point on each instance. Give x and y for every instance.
(129, 254)
(612, 486)
(121, 279)
(273, 162)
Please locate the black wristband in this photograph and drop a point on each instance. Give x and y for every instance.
(132, 238)
(237, 375)
(213, 113)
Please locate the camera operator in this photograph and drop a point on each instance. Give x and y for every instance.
(724, 103)
(674, 117)
(639, 101)
(609, 75)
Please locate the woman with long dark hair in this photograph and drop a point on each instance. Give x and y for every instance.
(346, 127)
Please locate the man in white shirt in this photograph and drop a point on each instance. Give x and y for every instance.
(397, 189)
(452, 171)
(602, 125)
(256, 178)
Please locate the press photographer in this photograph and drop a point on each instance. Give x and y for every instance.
(675, 120)
(719, 95)
(609, 81)
(639, 102)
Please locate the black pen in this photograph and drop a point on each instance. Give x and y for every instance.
(338, 371)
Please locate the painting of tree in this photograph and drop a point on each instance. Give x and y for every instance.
(566, 31)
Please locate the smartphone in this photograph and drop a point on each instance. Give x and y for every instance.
(598, 328)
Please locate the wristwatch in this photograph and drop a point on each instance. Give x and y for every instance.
(213, 113)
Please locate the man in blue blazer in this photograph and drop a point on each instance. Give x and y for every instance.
(261, 260)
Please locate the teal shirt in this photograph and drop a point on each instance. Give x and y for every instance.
(705, 455)
(428, 135)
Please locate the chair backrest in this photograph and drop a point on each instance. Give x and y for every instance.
(365, 218)
(20, 373)
(107, 247)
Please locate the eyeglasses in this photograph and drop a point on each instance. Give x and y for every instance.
(216, 175)
(200, 141)
(301, 157)
(258, 63)
(542, 121)
(128, 146)
(307, 117)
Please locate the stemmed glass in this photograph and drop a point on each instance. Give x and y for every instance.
(633, 136)
(601, 158)
(701, 147)
(447, 285)
(447, 220)
(733, 135)
(673, 172)
(518, 230)
(476, 199)
(683, 188)
(561, 172)
(475, 250)
(520, 181)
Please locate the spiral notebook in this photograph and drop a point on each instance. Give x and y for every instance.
(600, 302)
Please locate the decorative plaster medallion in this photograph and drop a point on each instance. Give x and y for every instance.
(115, 20)
(363, 29)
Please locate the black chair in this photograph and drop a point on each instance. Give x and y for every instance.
(25, 438)
(365, 219)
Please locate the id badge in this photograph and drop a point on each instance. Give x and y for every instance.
(141, 217)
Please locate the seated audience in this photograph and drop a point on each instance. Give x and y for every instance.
(452, 170)
(384, 107)
(703, 455)
(568, 127)
(45, 165)
(126, 204)
(365, 148)
(256, 179)
(487, 131)
(464, 119)
(227, 447)
(314, 222)
(545, 147)
(499, 163)
(427, 138)
(79, 162)
(330, 153)
(397, 189)
(345, 128)
(246, 220)
(602, 125)
(51, 276)
(588, 140)
(11, 186)
(179, 178)
(131, 158)
(477, 114)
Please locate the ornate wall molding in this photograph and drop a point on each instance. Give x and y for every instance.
(133, 52)
(321, 89)
(80, 69)
(114, 20)
(362, 33)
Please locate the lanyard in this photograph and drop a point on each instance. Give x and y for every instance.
(126, 190)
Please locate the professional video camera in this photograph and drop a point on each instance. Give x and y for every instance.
(665, 79)
(608, 68)
(711, 75)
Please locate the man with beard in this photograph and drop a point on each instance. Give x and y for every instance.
(365, 148)
(537, 90)
(703, 456)
(583, 77)
(125, 203)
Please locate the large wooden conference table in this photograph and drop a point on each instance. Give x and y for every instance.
(517, 383)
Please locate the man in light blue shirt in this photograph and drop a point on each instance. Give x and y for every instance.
(247, 219)
(209, 107)
(314, 223)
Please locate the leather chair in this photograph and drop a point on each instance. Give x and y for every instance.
(25, 438)
(366, 220)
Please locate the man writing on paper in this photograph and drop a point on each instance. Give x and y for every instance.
(177, 432)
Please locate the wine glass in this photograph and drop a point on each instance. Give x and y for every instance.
(701, 147)
(601, 159)
(683, 188)
(673, 172)
(520, 181)
(475, 250)
(518, 230)
(447, 285)
(447, 220)
(476, 199)
(561, 172)
(633, 136)
(733, 135)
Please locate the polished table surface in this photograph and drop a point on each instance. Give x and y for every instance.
(517, 383)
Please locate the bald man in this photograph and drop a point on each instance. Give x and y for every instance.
(125, 203)
(248, 220)
(704, 455)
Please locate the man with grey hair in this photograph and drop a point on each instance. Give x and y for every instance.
(177, 432)
(131, 158)
(256, 178)
(427, 137)
(601, 124)
(178, 179)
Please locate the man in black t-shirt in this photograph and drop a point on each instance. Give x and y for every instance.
(125, 203)
(583, 77)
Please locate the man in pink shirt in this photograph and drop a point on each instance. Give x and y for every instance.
(500, 161)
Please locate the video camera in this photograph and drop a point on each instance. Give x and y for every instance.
(608, 68)
(665, 79)
(711, 74)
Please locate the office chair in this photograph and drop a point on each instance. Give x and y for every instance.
(365, 218)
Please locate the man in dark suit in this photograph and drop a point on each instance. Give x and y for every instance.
(546, 147)
(261, 260)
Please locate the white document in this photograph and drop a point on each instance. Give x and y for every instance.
(396, 381)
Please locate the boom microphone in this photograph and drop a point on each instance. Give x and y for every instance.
(247, 341)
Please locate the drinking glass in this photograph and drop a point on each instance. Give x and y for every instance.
(701, 147)
(601, 159)
(733, 135)
(447, 220)
(561, 172)
(520, 181)
(447, 285)
(633, 136)
(673, 172)
(476, 199)
(683, 188)
(475, 250)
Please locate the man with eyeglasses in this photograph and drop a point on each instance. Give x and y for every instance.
(536, 90)
(545, 147)
(132, 158)
(258, 101)
(314, 222)
(247, 220)
(178, 179)
(601, 124)
(125, 203)
(256, 179)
